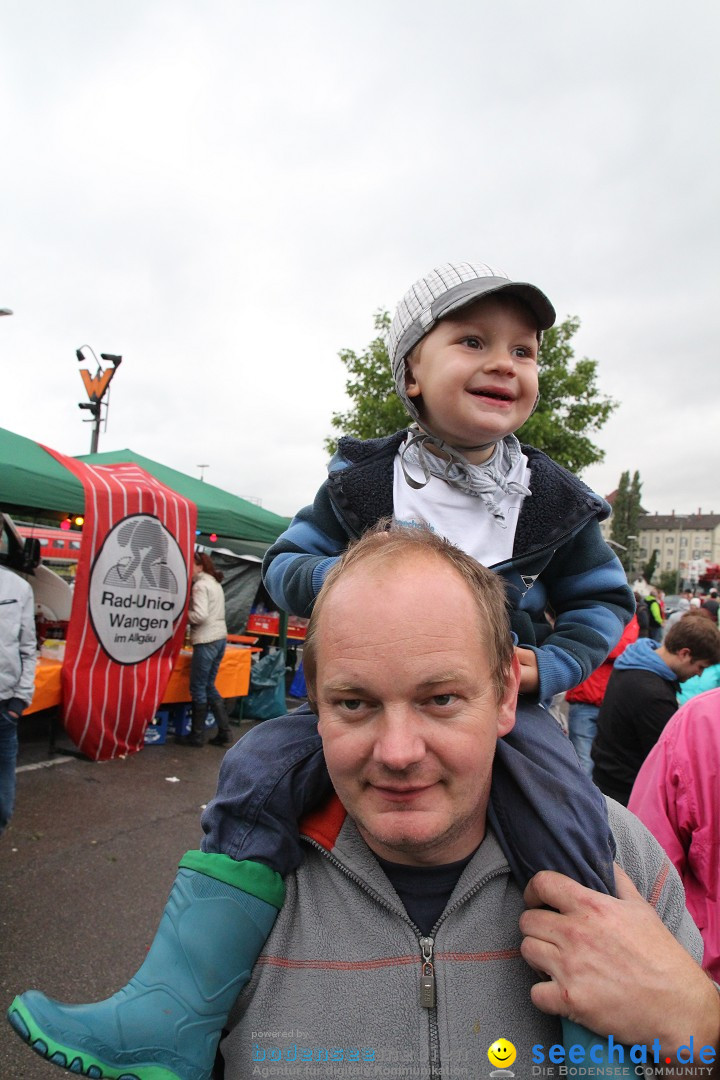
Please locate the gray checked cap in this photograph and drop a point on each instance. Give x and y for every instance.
(444, 290)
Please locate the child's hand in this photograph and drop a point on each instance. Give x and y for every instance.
(529, 677)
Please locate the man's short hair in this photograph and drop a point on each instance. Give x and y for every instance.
(697, 634)
(387, 543)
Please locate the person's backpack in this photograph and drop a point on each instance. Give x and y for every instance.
(654, 612)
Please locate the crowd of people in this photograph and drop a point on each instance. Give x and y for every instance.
(414, 861)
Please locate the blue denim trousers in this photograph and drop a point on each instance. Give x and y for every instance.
(8, 758)
(203, 671)
(582, 727)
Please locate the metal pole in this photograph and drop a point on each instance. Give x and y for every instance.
(95, 432)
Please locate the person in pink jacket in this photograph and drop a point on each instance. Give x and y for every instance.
(677, 796)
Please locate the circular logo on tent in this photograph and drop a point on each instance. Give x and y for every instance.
(138, 587)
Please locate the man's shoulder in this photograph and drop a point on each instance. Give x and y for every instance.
(638, 852)
(653, 874)
(11, 584)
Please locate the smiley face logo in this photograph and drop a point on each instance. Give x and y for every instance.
(502, 1053)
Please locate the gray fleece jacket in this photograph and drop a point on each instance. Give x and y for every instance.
(336, 990)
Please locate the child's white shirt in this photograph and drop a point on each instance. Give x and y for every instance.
(459, 517)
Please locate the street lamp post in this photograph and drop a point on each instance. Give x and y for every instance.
(96, 386)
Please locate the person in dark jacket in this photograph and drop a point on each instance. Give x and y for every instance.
(642, 615)
(641, 696)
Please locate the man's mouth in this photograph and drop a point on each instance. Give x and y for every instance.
(401, 794)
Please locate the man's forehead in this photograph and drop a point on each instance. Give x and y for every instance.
(409, 572)
(376, 614)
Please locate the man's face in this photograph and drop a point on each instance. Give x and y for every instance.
(685, 666)
(408, 714)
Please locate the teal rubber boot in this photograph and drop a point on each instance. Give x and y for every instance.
(601, 1055)
(167, 1022)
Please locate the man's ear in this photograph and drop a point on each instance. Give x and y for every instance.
(508, 704)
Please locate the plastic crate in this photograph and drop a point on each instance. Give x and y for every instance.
(180, 721)
(157, 729)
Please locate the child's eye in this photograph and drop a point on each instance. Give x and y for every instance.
(523, 353)
(472, 342)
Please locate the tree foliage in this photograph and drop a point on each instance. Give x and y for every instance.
(376, 409)
(649, 568)
(570, 408)
(668, 581)
(627, 508)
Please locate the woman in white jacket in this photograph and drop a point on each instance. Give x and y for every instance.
(208, 635)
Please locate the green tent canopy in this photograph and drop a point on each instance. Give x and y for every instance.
(31, 479)
(218, 511)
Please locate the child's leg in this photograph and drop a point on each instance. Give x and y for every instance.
(548, 815)
(268, 781)
(546, 812)
(166, 1023)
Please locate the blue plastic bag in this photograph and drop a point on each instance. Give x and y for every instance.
(266, 698)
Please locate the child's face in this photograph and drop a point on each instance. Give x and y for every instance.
(475, 374)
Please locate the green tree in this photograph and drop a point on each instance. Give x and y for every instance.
(376, 409)
(626, 518)
(569, 410)
(668, 581)
(650, 567)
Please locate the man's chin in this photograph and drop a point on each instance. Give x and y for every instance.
(403, 840)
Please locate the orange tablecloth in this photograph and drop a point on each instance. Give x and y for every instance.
(233, 678)
(48, 691)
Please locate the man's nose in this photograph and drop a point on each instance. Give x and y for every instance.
(399, 743)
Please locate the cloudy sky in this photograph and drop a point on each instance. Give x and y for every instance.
(224, 191)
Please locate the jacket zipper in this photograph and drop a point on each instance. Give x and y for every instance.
(427, 989)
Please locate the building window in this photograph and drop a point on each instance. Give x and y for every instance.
(683, 541)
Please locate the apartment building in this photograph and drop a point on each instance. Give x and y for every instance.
(683, 542)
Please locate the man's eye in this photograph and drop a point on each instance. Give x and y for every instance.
(351, 704)
(443, 699)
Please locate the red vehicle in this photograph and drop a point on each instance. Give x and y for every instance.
(56, 545)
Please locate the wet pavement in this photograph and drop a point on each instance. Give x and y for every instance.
(86, 866)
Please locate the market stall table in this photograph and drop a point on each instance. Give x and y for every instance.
(233, 679)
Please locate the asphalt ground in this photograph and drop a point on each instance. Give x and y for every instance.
(86, 866)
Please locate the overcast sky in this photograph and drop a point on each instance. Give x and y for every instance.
(224, 192)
